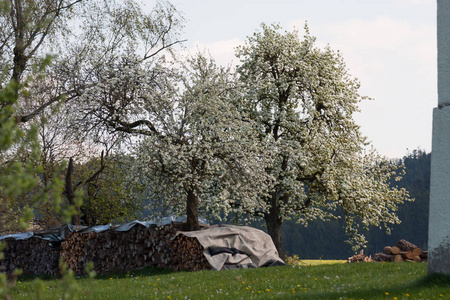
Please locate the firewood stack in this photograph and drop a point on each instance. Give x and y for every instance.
(118, 251)
(187, 254)
(110, 251)
(35, 256)
(404, 251)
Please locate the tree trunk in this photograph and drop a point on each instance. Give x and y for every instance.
(70, 193)
(192, 210)
(274, 222)
(20, 59)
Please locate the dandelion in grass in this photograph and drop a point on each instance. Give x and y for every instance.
(387, 293)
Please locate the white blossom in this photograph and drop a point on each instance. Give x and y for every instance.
(303, 100)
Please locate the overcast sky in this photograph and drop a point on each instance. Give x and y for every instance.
(389, 45)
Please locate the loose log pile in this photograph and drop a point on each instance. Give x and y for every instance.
(359, 258)
(403, 251)
(34, 256)
(187, 254)
(110, 251)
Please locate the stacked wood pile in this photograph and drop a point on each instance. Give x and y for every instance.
(359, 258)
(35, 256)
(187, 254)
(110, 251)
(403, 251)
(117, 251)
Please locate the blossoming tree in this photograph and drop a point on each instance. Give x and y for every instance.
(303, 99)
(202, 154)
(194, 149)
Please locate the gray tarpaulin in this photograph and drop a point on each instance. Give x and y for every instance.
(58, 233)
(229, 246)
(158, 222)
(18, 236)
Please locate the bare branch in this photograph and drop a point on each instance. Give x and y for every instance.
(147, 56)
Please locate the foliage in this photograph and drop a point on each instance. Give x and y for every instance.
(325, 239)
(90, 33)
(112, 196)
(27, 31)
(414, 216)
(16, 178)
(110, 66)
(303, 99)
(11, 172)
(202, 154)
(335, 281)
(192, 143)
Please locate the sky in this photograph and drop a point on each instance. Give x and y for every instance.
(389, 45)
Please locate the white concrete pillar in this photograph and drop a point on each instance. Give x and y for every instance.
(439, 219)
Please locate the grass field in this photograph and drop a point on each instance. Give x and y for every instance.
(314, 280)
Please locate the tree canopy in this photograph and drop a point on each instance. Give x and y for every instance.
(303, 98)
(202, 154)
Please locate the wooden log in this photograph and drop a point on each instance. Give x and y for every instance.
(404, 245)
(412, 254)
(417, 251)
(395, 250)
(380, 257)
(424, 255)
(398, 258)
(391, 250)
(417, 258)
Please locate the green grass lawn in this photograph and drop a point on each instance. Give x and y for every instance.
(319, 281)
